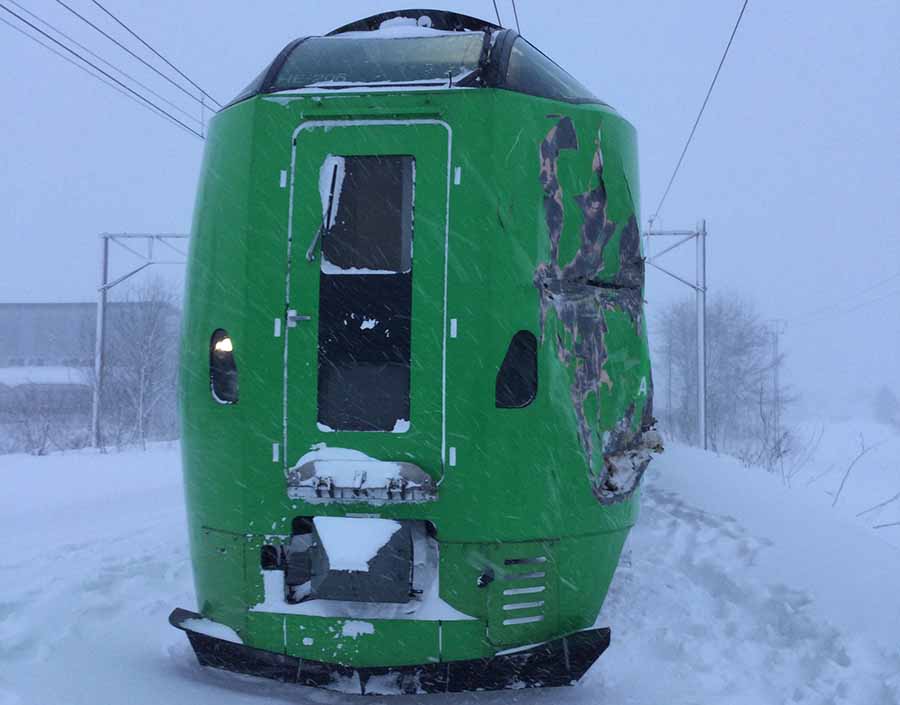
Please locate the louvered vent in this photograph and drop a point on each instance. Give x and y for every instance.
(524, 587)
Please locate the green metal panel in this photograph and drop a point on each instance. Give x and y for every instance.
(521, 475)
(363, 642)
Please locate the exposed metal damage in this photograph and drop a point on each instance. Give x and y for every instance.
(581, 303)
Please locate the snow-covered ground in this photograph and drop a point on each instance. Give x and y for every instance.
(871, 494)
(734, 589)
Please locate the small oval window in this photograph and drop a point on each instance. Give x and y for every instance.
(517, 378)
(223, 374)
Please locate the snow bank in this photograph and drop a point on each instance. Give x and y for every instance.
(735, 589)
(732, 589)
(35, 486)
(871, 493)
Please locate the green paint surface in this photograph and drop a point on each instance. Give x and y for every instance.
(521, 481)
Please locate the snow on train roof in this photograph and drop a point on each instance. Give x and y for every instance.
(415, 50)
(400, 28)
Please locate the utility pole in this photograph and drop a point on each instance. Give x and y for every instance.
(125, 241)
(698, 235)
(701, 332)
(99, 348)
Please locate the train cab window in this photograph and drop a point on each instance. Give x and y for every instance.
(517, 378)
(367, 58)
(371, 223)
(365, 297)
(532, 72)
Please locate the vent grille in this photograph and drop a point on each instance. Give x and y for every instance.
(523, 576)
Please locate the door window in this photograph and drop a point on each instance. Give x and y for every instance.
(365, 296)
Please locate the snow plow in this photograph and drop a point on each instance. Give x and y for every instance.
(413, 469)
(555, 663)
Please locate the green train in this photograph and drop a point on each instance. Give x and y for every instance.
(416, 390)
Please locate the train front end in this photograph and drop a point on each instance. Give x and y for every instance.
(415, 386)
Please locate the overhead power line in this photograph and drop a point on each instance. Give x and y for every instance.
(839, 310)
(100, 70)
(699, 114)
(130, 52)
(169, 63)
(100, 59)
(75, 63)
(516, 15)
(817, 313)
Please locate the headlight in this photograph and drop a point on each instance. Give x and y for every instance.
(223, 345)
(223, 374)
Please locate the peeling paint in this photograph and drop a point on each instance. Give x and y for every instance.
(581, 302)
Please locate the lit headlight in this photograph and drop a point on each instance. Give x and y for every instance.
(223, 374)
(224, 345)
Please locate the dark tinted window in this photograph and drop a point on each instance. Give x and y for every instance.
(518, 376)
(372, 221)
(371, 60)
(531, 72)
(365, 297)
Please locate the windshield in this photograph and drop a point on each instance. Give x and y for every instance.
(364, 60)
(530, 71)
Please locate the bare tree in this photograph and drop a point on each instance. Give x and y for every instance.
(803, 451)
(39, 418)
(743, 411)
(34, 421)
(880, 505)
(141, 366)
(863, 449)
(770, 443)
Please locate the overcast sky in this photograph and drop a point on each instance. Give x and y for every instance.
(795, 167)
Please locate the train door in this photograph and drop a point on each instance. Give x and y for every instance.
(365, 313)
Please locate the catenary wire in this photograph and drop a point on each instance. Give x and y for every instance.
(73, 62)
(817, 312)
(516, 15)
(130, 52)
(86, 70)
(99, 70)
(146, 44)
(699, 114)
(85, 49)
(497, 11)
(838, 311)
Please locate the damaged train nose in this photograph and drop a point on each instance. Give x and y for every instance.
(413, 446)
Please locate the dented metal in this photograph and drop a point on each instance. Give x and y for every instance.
(581, 302)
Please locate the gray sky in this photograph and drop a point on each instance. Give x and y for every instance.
(796, 165)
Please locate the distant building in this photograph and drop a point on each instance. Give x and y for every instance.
(54, 335)
(47, 357)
